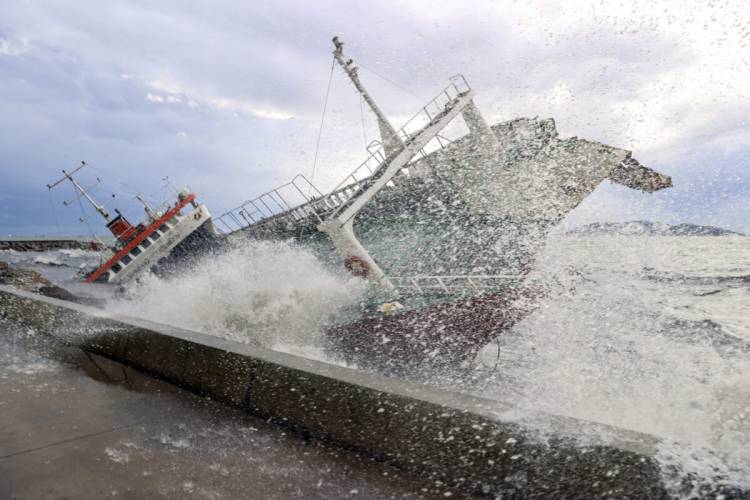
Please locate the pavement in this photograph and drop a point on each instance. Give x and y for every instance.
(75, 425)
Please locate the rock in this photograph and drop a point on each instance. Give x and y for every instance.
(31, 281)
(44, 244)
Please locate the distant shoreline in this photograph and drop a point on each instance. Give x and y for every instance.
(44, 243)
(649, 228)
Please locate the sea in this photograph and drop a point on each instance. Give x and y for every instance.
(642, 332)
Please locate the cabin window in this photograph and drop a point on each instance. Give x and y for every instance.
(155, 236)
(146, 243)
(126, 260)
(136, 251)
(164, 228)
(116, 268)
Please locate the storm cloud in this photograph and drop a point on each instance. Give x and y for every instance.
(227, 96)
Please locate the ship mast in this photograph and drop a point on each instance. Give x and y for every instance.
(149, 211)
(81, 190)
(391, 141)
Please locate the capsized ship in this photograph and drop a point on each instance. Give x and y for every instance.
(173, 232)
(444, 230)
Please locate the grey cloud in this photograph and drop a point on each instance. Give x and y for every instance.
(77, 80)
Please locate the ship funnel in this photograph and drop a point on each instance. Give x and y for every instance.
(121, 228)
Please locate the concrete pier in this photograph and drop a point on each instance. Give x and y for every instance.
(470, 444)
(75, 425)
(44, 243)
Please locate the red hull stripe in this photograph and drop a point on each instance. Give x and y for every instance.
(137, 240)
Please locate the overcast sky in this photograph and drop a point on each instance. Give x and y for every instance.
(226, 97)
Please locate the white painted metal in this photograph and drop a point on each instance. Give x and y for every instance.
(388, 134)
(339, 225)
(299, 200)
(293, 200)
(180, 227)
(336, 211)
(392, 166)
(80, 189)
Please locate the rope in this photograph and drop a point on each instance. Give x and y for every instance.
(84, 217)
(320, 130)
(362, 115)
(150, 197)
(122, 184)
(52, 206)
(391, 82)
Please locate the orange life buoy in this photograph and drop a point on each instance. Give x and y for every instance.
(357, 266)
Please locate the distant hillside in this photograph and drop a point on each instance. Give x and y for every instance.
(644, 227)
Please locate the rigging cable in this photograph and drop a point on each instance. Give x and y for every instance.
(124, 186)
(320, 130)
(362, 116)
(391, 82)
(52, 206)
(84, 217)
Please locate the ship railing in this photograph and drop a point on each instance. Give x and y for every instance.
(364, 170)
(293, 200)
(435, 108)
(426, 116)
(273, 204)
(439, 142)
(450, 283)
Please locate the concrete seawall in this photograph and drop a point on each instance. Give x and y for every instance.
(474, 444)
(42, 244)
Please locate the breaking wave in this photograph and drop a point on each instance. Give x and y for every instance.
(659, 276)
(48, 261)
(273, 294)
(650, 334)
(655, 356)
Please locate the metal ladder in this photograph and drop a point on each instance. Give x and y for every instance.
(299, 201)
(334, 212)
(378, 169)
(292, 202)
(416, 134)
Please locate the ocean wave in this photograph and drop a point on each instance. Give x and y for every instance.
(48, 261)
(272, 294)
(675, 277)
(704, 332)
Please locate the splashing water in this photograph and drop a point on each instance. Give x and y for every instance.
(652, 334)
(274, 294)
(648, 333)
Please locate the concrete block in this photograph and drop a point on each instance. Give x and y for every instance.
(471, 443)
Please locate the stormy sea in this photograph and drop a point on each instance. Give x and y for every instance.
(647, 332)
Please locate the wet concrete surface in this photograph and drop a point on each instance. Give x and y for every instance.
(74, 425)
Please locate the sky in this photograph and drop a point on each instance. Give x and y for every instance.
(227, 97)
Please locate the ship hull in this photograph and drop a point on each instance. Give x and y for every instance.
(482, 206)
(187, 254)
(474, 207)
(436, 339)
(157, 245)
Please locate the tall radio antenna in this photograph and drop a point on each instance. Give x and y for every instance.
(80, 189)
